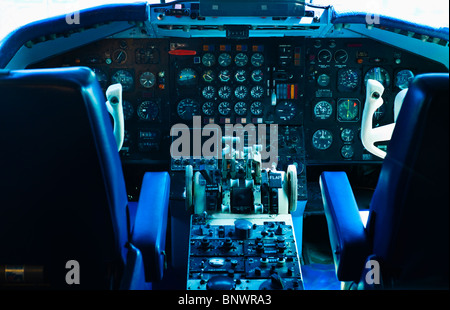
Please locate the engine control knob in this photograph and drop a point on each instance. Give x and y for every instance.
(205, 242)
(260, 247)
(281, 239)
(279, 231)
(281, 246)
(242, 228)
(276, 281)
(228, 244)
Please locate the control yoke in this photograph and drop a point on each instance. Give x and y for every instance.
(114, 106)
(374, 100)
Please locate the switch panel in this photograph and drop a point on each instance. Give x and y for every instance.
(249, 252)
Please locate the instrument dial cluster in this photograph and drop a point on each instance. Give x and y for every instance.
(141, 67)
(337, 72)
(228, 80)
(239, 81)
(316, 85)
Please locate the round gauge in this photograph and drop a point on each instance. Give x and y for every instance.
(340, 56)
(224, 92)
(240, 108)
(379, 74)
(286, 110)
(187, 77)
(317, 43)
(240, 76)
(323, 110)
(322, 139)
(348, 80)
(347, 135)
(123, 77)
(257, 59)
(224, 75)
(257, 75)
(403, 79)
(256, 108)
(208, 92)
(224, 108)
(347, 151)
(147, 79)
(101, 77)
(187, 108)
(208, 76)
(148, 110)
(120, 56)
(208, 60)
(208, 108)
(240, 59)
(128, 110)
(324, 56)
(241, 92)
(323, 80)
(257, 91)
(348, 110)
(224, 59)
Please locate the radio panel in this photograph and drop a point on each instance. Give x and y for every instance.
(244, 252)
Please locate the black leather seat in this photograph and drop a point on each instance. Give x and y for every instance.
(407, 234)
(62, 193)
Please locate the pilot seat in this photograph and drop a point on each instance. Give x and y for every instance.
(405, 243)
(66, 219)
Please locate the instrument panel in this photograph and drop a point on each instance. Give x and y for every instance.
(312, 86)
(337, 71)
(141, 66)
(236, 81)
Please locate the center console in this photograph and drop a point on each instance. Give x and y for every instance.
(241, 231)
(246, 252)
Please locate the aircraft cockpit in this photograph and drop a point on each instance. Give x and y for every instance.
(226, 145)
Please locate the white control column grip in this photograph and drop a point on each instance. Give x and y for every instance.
(370, 135)
(114, 106)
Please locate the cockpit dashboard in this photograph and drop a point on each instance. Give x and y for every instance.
(297, 84)
(317, 84)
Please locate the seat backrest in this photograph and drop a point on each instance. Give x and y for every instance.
(409, 218)
(62, 192)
